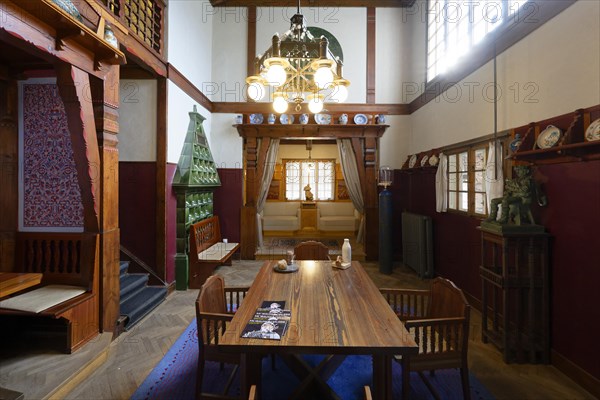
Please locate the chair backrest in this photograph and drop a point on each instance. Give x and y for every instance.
(311, 250)
(443, 344)
(211, 299)
(447, 300)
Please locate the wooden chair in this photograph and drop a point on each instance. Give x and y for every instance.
(311, 250)
(368, 395)
(215, 307)
(252, 395)
(438, 319)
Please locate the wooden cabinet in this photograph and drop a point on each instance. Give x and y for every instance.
(572, 145)
(515, 295)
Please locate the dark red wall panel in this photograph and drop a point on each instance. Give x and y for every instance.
(572, 218)
(137, 209)
(228, 202)
(171, 224)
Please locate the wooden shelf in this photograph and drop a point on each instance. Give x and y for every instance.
(67, 27)
(572, 146)
(310, 130)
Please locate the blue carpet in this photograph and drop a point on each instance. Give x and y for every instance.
(174, 377)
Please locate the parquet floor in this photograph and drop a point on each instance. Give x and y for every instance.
(134, 354)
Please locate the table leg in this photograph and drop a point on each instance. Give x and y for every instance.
(313, 380)
(382, 377)
(250, 373)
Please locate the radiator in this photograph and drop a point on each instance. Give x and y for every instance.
(417, 243)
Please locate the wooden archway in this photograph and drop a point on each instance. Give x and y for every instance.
(365, 142)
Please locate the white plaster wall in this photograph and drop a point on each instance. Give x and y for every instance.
(230, 35)
(180, 105)
(190, 51)
(348, 25)
(392, 60)
(553, 71)
(137, 120)
(226, 144)
(190, 39)
(395, 143)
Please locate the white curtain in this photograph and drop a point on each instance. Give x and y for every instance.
(441, 184)
(265, 183)
(350, 173)
(494, 184)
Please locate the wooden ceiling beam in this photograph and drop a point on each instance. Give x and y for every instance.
(312, 3)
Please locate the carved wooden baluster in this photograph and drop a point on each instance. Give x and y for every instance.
(38, 257)
(77, 256)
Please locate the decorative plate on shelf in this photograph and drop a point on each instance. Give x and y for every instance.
(548, 137)
(593, 131)
(286, 119)
(433, 160)
(424, 160)
(256, 118)
(323, 119)
(412, 161)
(360, 119)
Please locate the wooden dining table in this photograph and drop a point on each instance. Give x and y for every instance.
(333, 312)
(14, 282)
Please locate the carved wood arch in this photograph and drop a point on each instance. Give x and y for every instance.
(365, 142)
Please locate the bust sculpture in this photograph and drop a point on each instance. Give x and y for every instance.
(307, 193)
(515, 205)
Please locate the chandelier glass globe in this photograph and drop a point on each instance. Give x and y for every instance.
(276, 75)
(339, 93)
(315, 103)
(280, 105)
(323, 77)
(256, 90)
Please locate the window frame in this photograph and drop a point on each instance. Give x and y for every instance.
(315, 189)
(507, 21)
(470, 170)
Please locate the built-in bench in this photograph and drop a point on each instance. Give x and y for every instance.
(207, 250)
(64, 308)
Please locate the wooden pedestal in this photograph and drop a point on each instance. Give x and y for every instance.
(308, 218)
(515, 295)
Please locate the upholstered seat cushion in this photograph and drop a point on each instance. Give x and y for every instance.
(281, 216)
(337, 216)
(43, 298)
(217, 251)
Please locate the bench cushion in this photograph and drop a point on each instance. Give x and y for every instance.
(217, 251)
(43, 298)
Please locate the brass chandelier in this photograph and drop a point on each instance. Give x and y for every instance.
(298, 67)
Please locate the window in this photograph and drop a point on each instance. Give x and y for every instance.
(466, 180)
(454, 27)
(319, 174)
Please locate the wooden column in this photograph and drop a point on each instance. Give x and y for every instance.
(371, 54)
(248, 214)
(251, 45)
(161, 178)
(93, 126)
(9, 171)
(371, 200)
(106, 106)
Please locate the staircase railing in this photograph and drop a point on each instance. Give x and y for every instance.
(137, 265)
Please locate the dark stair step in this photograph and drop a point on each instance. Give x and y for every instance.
(131, 284)
(142, 303)
(123, 266)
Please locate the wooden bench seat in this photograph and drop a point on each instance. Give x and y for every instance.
(66, 260)
(207, 251)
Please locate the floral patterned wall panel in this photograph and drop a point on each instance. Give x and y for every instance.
(51, 197)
